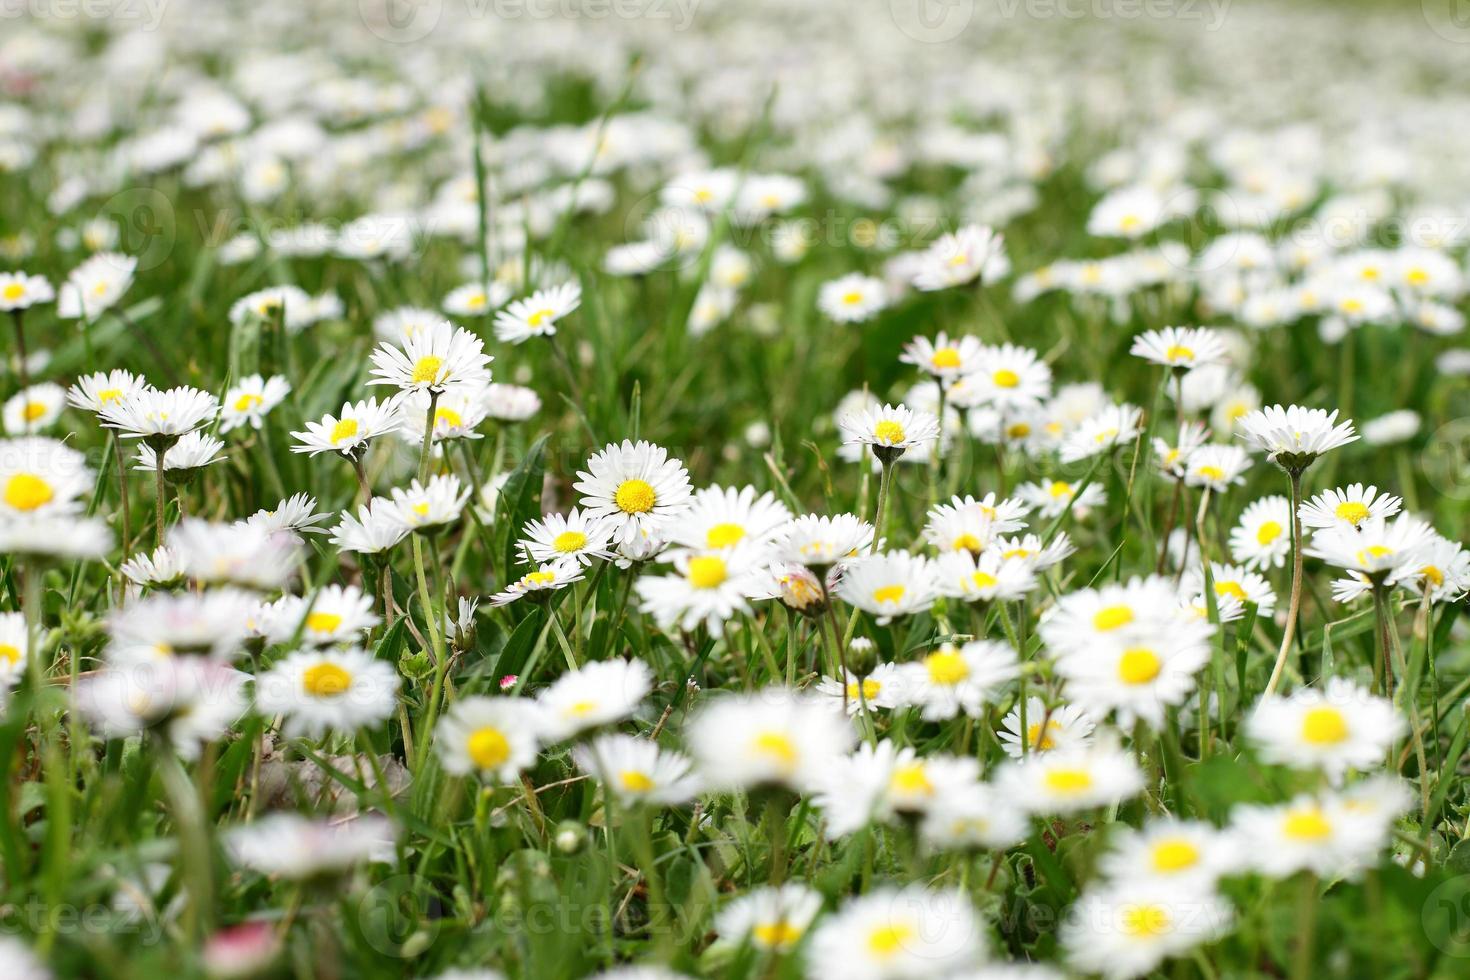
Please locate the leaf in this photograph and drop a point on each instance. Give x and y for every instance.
(519, 501)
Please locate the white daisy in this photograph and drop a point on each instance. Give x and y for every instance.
(538, 314)
(637, 486)
(336, 691)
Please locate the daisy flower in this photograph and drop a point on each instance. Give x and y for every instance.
(636, 770)
(472, 299)
(336, 614)
(968, 524)
(93, 392)
(95, 286)
(1292, 437)
(943, 358)
(1124, 929)
(889, 431)
(349, 431)
(1235, 586)
(891, 934)
(1180, 348)
(952, 680)
(538, 314)
(295, 847)
(510, 403)
(1029, 550)
(1070, 780)
(1058, 728)
(1115, 425)
(1339, 508)
(442, 358)
(1140, 671)
(63, 536)
(321, 692)
(960, 575)
(1262, 537)
(18, 963)
(573, 535)
(707, 587)
(880, 781)
(33, 409)
(250, 401)
(1172, 460)
(289, 304)
(772, 917)
(882, 687)
(818, 541)
(956, 259)
(373, 530)
(889, 584)
(774, 736)
(1378, 549)
(182, 460)
(1330, 835)
(457, 414)
(14, 644)
(852, 298)
(1216, 467)
(159, 570)
(294, 515)
(1444, 574)
(237, 553)
(495, 739)
(1008, 378)
(636, 485)
(541, 582)
(1083, 619)
(1338, 728)
(190, 701)
(41, 477)
(1188, 853)
(1053, 498)
(19, 291)
(599, 693)
(159, 417)
(430, 507)
(721, 517)
(973, 816)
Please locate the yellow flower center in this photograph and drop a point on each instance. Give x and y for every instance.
(109, 395)
(10, 654)
(1212, 473)
(888, 432)
(323, 622)
(1175, 854)
(1324, 725)
(869, 690)
(1018, 431)
(1038, 739)
(1138, 666)
(538, 578)
(635, 497)
(343, 430)
(1111, 618)
(707, 572)
(488, 747)
(1373, 552)
(1307, 825)
(1178, 353)
(912, 780)
(448, 418)
(1145, 921)
(983, 580)
(1434, 575)
(540, 317)
(967, 542)
(247, 401)
(326, 680)
(889, 593)
(1268, 531)
(777, 747)
(779, 933)
(1059, 489)
(946, 667)
(1005, 378)
(1231, 589)
(14, 290)
(1417, 276)
(634, 781)
(885, 942)
(27, 491)
(1352, 511)
(426, 369)
(724, 535)
(1067, 781)
(946, 357)
(569, 541)
(853, 298)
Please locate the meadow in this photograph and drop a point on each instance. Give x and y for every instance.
(675, 488)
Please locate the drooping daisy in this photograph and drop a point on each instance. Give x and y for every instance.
(93, 287)
(1115, 425)
(1443, 573)
(1173, 460)
(1262, 537)
(1053, 498)
(818, 541)
(772, 917)
(721, 517)
(951, 680)
(1338, 728)
(34, 409)
(336, 691)
(956, 259)
(708, 587)
(889, 584)
(1216, 467)
(538, 314)
(493, 738)
(1348, 508)
(637, 770)
(41, 477)
(942, 357)
(296, 847)
(1293, 436)
(1053, 729)
(601, 692)
(1188, 853)
(889, 431)
(159, 417)
(891, 934)
(573, 535)
(250, 401)
(295, 515)
(1029, 550)
(1125, 929)
(442, 358)
(349, 431)
(1069, 780)
(636, 485)
(1180, 348)
(94, 391)
(852, 298)
(774, 736)
(185, 458)
(540, 582)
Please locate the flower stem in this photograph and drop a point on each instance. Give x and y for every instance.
(1289, 634)
(122, 493)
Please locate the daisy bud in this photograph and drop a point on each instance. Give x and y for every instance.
(570, 836)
